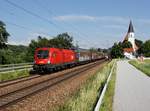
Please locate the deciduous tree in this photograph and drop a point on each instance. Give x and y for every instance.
(146, 48)
(3, 35)
(117, 51)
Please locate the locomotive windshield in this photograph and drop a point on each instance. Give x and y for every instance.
(43, 54)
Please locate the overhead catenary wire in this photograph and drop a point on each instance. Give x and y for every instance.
(21, 26)
(33, 14)
(11, 13)
(44, 19)
(81, 34)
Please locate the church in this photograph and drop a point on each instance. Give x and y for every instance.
(130, 52)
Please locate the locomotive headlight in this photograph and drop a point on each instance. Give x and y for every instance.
(48, 62)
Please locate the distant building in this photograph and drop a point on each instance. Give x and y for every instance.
(130, 52)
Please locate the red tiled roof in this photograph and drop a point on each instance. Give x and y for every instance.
(128, 50)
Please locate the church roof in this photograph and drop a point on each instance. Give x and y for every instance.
(129, 50)
(130, 27)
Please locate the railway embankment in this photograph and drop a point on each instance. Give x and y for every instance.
(49, 93)
(86, 97)
(108, 98)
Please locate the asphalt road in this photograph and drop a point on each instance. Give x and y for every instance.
(132, 91)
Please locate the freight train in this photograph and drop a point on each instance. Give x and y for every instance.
(48, 59)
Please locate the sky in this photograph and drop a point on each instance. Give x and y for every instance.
(92, 23)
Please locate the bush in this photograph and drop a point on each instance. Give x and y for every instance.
(146, 48)
(117, 51)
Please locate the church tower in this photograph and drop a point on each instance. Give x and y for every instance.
(130, 34)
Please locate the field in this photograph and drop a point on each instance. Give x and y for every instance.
(13, 75)
(86, 97)
(143, 66)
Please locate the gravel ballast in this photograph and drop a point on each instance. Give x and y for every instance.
(56, 95)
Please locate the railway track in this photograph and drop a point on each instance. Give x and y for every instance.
(19, 94)
(18, 80)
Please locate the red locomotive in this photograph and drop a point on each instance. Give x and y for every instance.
(47, 59)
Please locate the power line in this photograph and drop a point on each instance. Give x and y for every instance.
(23, 27)
(31, 13)
(42, 18)
(11, 13)
(49, 11)
(20, 26)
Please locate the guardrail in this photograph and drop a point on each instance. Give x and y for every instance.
(99, 102)
(12, 67)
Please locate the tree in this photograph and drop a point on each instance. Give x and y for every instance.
(13, 54)
(3, 40)
(43, 42)
(146, 48)
(92, 49)
(30, 51)
(117, 51)
(63, 40)
(139, 43)
(126, 44)
(3, 35)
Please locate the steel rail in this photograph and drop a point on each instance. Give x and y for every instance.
(20, 94)
(18, 80)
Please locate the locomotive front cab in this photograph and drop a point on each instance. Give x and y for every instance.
(42, 56)
(42, 59)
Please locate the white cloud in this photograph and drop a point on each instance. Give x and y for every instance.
(115, 19)
(18, 42)
(34, 36)
(99, 24)
(106, 19)
(74, 18)
(26, 41)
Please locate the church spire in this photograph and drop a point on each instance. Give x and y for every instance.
(130, 27)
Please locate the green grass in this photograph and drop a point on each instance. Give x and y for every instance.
(13, 75)
(107, 103)
(86, 97)
(143, 66)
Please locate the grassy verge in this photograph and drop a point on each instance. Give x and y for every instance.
(107, 103)
(13, 75)
(85, 98)
(143, 66)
